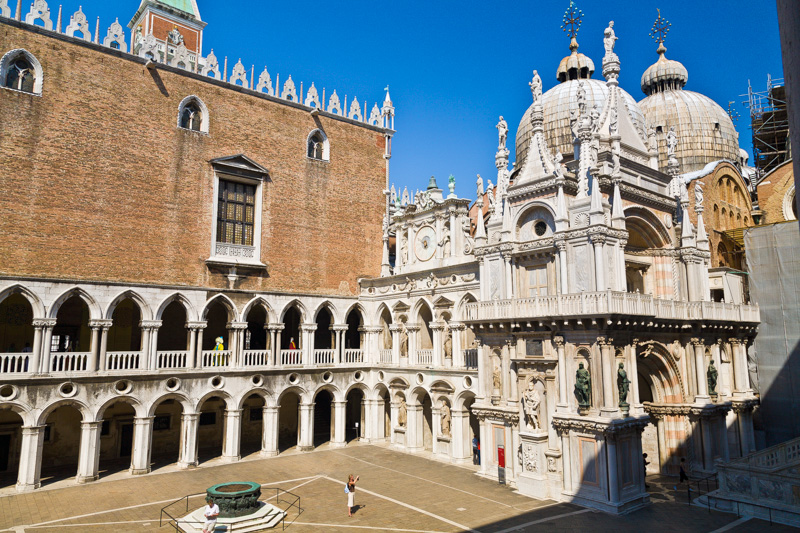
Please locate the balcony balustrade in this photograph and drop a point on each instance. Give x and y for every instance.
(424, 357)
(14, 363)
(324, 356)
(255, 357)
(69, 361)
(353, 356)
(291, 357)
(171, 359)
(123, 360)
(471, 358)
(216, 359)
(385, 356)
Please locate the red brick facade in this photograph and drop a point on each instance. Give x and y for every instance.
(99, 183)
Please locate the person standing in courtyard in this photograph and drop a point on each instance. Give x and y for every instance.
(350, 489)
(684, 477)
(211, 512)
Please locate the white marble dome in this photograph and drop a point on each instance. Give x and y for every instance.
(705, 131)
(557, 105)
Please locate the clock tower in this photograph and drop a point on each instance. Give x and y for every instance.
(169, 31)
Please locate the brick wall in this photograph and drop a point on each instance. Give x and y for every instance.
(772, 191)
(99, 184)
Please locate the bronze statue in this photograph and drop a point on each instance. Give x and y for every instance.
(623, 383)
(583, 390)
(711, 374)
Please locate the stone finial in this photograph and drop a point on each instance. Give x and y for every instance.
(39, 11)
(375, 116)
(211, 65)
(264, 82)
(334, 106)
(5, 11)
(289, 90)
(115, 35)
(355, 110)
(312, 97)
(182, 57)
(239, 74)
(78, 22)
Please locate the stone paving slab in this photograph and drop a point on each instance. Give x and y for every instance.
(397, 492)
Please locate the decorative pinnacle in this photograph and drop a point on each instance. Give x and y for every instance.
(659, 31)
(572, 23)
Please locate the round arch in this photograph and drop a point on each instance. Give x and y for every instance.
(24, 411)
(462, 397)
(294, 389)
(36, 303)
(86, 412)
(334, 391)
(368, 393)
(647, 224)
(418, 394)
(91, 303)
(659, 368)
(259, 391)
(182, 399)
(137, 405)
(532, 214)
(230, 403)
(191, 313)
(144, 307)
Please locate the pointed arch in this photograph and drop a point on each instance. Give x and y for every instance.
(33, 299)
(360, 308)
(258, 300)
(226, 302)
(144, 307)
(419, 306)
(461, 308)
(16, 68)
(317, 146)
(191, 313)
(327, 304)
(382, 307)
(296, 303)
(193, 114)
(91, 303)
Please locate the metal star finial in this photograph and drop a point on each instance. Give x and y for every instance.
(732, 112)
(572, 20)
(660, 28)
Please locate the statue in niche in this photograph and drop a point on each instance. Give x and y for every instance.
(558, 172)
(403, 340)
(536, 87)
(652, 142)
(672, 141)
(445, 242)
(502, 132)
(595, 116)
(609, 38)
(623, 384)
(402, 413)
(573, 122)
(445, 419)
(480, 186)
(712, 374)
(138, 35)
(583, 382)
(469, 242)
(530, 404)
(448, 341)
(616, 152)
(404, 251)
(698, 196)
(496, 382)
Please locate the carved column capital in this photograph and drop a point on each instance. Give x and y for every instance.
(558, 340)
(197, 325)
(44, 322)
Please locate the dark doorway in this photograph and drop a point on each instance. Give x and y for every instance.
(323, 404)
(354, 420)
(5, 452)
(125, 440)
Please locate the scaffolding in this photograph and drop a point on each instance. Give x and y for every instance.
(769, 123)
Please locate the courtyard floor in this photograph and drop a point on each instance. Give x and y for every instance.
(398, 492)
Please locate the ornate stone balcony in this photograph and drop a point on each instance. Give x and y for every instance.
(609, 303)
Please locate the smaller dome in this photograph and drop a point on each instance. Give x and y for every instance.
(575, 66)
(664, 74)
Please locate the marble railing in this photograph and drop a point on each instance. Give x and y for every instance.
(69, 361)
(291, 357)
(12, 363)
(255, 357)
(123, 360)
(324, 356)
(424, 357)
(216, 358)
(471, 358)
(610, 303)
(171, 359)
(386, 356)
(353, 356)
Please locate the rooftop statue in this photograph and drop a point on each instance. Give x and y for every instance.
(502, 131)
(609, 38)
(698, 195)
(672, 141)
(536, 88)
(480, 186)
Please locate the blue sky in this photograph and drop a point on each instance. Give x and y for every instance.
(454, 67)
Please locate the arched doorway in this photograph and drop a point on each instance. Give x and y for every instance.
(211, 429)
(324, 339)
(384, 416)
(353, 337)
(425, 337)
(291, 343)
(116, 438)
(354, 415)
(16, 334)
(385, 338)
(71, 339)
(252, 424)
(61, 446)
(10, 447)
(256, 339)
(124, 337)
(166, 439)
(172, 341)
(288, 418)
(217, 316)
(323, 415)
(423, 422)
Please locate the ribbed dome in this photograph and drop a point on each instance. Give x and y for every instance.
(663, 75)
(557, 104)
(575, 65)
(705, 131)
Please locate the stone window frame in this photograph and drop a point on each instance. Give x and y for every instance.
(788, 204)
(218, 252)
(326, 146)
(38, 72)
(205, 119)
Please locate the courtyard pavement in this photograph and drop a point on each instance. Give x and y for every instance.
(398, 492)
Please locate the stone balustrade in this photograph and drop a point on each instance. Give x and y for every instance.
(610, 303)
(123, 360)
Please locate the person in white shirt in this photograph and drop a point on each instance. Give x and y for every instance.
(211, 511)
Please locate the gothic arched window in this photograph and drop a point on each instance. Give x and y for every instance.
(318, 146)
(193, 115)
(20, 71)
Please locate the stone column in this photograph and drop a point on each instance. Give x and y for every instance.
(144, 348)
(457, 331)
(188, 453)
(414, 423)
(700, 370)
(395, 329)
(610, 407)
(563, 284)
(436, 427)
(437, 328)
(36, 352)
(270, 357)
(149, 355)
(340, 329)
(269, 434)
(413, 342)
(89, 455)
(193, 357)
(661, 433)
(613, 471)
(306, 440)
(563, 403)
(483, 386)
(741, 377)
(275, 344)
(30, 458)
(231, 449)
(47, 336)
(486, 447)
(566, 462)
(513, 392)
(91, 364)
(308, 343)
(460, 442)
(198, 354)
(142, 439)
(599, 262)
(371, 420)
(237, 330)
(708, 448)
(744, 418)
(105, 325)
(339, 419)
(633, 373)
(507, 276)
